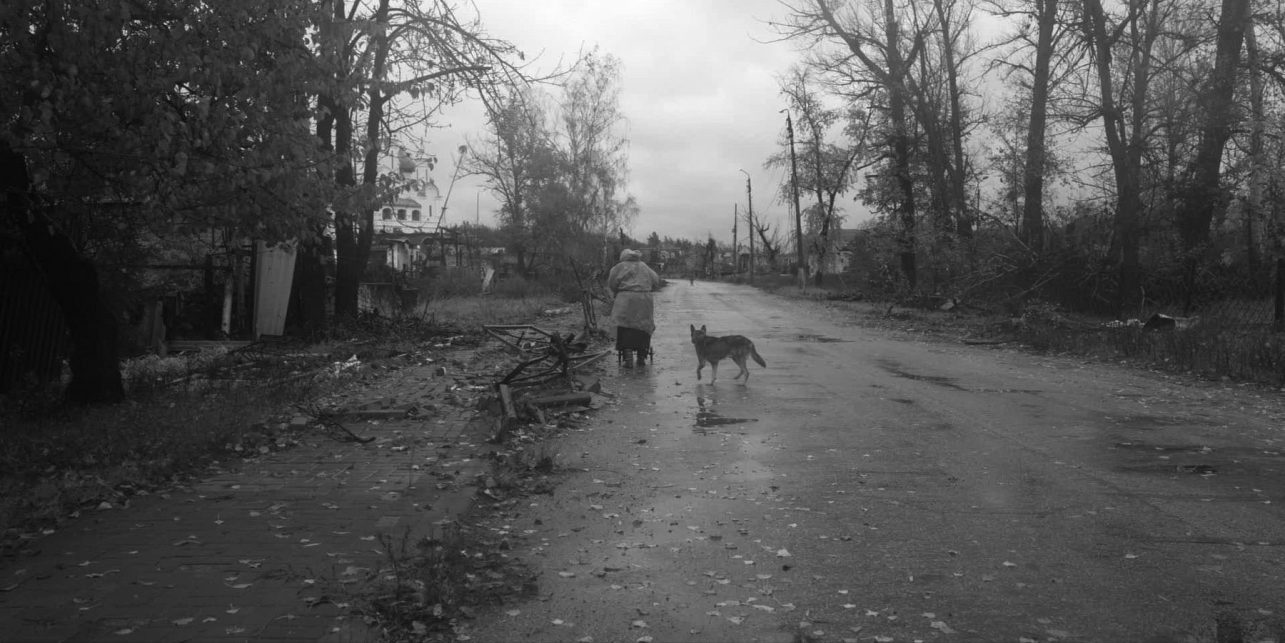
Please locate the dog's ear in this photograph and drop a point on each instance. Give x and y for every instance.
(693, 327)
(703, 329)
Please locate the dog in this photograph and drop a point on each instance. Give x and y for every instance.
(712, 349)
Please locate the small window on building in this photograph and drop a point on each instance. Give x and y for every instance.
(414, 215)
(401, 214)
(388, 214)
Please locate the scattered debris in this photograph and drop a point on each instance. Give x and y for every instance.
(1167, 322)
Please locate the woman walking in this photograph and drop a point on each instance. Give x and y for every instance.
(631, 283)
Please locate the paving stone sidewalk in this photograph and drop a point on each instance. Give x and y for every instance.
(270, 548)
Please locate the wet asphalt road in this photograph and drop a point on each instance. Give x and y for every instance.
(869, 487)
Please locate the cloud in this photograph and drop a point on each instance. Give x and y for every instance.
(698, 88)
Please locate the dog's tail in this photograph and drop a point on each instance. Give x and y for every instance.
(755, 354)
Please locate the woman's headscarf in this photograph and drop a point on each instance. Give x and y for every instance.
(630, 255)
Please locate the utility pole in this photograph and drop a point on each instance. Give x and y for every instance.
(736, 259)
(798, 216)
(749, 195)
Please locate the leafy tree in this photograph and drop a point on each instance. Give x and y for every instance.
(560, 172)
(518, 159)
(595, 150)
(183, 114)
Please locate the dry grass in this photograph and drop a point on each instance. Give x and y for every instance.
(1221, 344)
(474, 312)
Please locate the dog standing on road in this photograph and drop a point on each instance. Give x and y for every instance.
(712, 349)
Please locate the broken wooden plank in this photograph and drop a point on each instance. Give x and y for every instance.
(562, 399)
(506, 401)
(508, 415)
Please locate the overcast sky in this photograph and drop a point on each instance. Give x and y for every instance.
(699, 92)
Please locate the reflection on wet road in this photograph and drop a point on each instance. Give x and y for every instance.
(707, 416)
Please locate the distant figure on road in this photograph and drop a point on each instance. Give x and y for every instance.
(631, 282)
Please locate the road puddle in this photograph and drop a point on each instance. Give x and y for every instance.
(895, 369)
(817, 338)
(707, 417)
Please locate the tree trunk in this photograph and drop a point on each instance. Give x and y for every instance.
(823, 235)
(901, 148)
(1258, 169)
(355, 230)
(1203, 195)
(1125, 147)
(307, 311)
(893, 77)
(957, 166)
(1033, 174)
(73, 283)
(349, 260)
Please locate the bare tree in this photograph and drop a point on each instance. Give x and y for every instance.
(1125, 127)
(829, 166)
(940, 108)
(380, 53)
(771, 241)
(879, 56)
(1037, 78)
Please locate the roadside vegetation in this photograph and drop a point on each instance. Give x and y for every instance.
(433, 582)
(1215, 345)
(185, 412)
